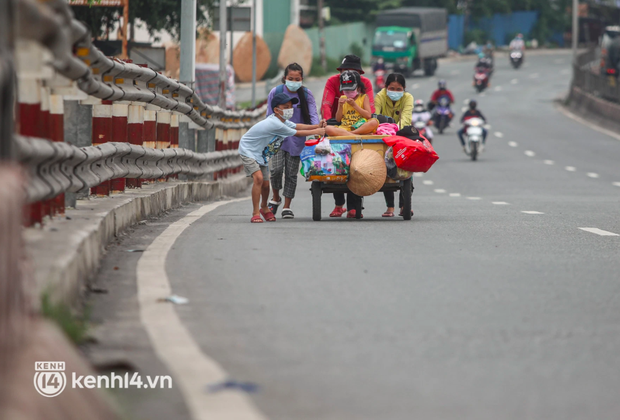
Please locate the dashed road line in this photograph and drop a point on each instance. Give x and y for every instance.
(455, 194)
(500, 203)
(474, 198)
(497, 88)
(499, 134)
(592, 174)
(440, 191)
(570, 168)
(529, 153)
(514, 81)
(513, 144)
(427, 182)
(616, 184)
(531, 212)
(548, 162)
(599, 232)
(487, 126)
(464, 109)
(415, 86)
(466, 101)
(418, 174)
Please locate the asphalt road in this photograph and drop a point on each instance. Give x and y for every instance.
(491, 303)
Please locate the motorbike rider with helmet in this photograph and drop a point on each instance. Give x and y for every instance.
(442, 90)
(420, 113)
(472, 112)
(517, 43)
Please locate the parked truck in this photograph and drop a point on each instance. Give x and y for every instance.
(411, 38)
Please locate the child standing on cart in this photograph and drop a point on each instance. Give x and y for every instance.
(354, 112)
(262, 141)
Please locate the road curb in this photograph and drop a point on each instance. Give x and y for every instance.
(593, 111)
(66, 253)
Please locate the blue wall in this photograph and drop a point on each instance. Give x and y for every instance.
(498, 27)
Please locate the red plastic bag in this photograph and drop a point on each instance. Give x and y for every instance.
(412, 155)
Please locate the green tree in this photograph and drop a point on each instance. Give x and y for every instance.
(157, 14)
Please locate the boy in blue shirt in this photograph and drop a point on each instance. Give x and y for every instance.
(262, 141)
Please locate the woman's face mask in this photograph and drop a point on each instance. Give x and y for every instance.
(395, 96)
(351, 94)
(292, 86)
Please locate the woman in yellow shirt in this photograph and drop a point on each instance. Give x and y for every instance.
(353, 114)
(393, 101)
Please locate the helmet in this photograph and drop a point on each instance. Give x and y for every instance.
(442, 84)
(418, 106)
(473, 104)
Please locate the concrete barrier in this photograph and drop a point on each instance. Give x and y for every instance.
(598, 111)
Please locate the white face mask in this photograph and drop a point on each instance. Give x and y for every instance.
(287, 113)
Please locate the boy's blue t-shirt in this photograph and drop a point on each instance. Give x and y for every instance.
(264, 139)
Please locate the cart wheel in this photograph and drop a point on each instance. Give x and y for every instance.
(358, 208)
(406, 191)
(316, 200)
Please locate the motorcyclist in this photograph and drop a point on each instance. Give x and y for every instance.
(484, 63)
(420, 113)
(379, 65)
(472, 112)
(517, 43)
(442, 90)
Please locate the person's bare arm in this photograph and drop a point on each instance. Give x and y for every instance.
(313, 132)
(307, 126)
(365, 111)
(339, 111)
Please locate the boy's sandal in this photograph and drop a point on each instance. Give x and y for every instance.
(338, 212)
(256, 219)
(388, 214)
(268, 216)
(273, 205)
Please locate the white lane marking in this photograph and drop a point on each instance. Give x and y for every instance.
(531, 212)
(548, 162)
(427, 182)
(455, 194)
(487, 126)
(498, 88)
(499, 135)
(418, 174)
(616, 184)
(440, 191)
(570, 168)
(587, 123)
(415, 86)
(500, 203)
(466, 101)
(173, 343)
(514, 81)
(534, 76)
(529, 153)
(513, 144)
(599, 232)
(464, 109)
(592, 174)
(473, 198)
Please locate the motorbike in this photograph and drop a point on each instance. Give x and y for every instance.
(379, 80)
(421, 127)
(443, 114)
(516, 58)
(473, 136)
(481, 80)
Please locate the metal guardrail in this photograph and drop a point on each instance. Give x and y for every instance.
(587, 76)
(52, 25)
(56, 167)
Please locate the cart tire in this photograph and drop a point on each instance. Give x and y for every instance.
(358, 209)
(406, 191)
(316, 200)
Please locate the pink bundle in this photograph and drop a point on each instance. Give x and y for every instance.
(387, 129)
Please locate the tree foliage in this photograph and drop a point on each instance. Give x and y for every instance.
(158, 15)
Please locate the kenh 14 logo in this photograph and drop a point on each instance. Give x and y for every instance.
(49, 378)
